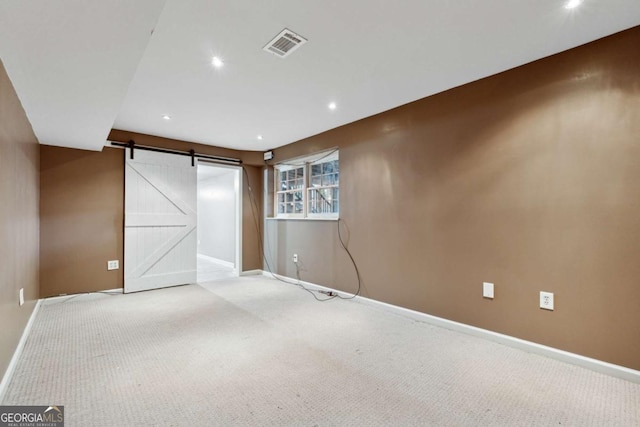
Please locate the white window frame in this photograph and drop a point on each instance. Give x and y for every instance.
(323, 159)
(306, 164)
(278, 191)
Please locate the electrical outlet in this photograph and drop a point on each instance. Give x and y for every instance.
(21, 296)
(546, 300)
(487, 290)
(113, 264)
(295, 257)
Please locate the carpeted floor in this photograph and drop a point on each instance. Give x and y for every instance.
(209, 270)
(254, 351)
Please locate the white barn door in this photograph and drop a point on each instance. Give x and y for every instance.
(160, 221)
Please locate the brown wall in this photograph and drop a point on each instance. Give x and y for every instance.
(81, 219)
(19, 160)
(251, 218)
(528, 179)
(82, 214)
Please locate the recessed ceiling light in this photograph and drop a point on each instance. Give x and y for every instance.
(572, 3)
(260, 137)
(166, 117)
(217, 62)
(332, 106)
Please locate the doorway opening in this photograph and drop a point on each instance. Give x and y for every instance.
(219, 222)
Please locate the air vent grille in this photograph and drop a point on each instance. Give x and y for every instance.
(284, 43)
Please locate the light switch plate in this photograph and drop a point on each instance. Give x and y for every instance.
(487, 290)
(113, 264)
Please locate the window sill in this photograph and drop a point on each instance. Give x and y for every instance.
(302, 219)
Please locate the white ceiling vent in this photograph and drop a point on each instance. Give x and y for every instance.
(284, 43)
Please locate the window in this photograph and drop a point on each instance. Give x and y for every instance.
(309, 187)
(290, 191)
(323, 191)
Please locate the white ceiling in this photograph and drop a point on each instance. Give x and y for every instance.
(71, 62)
(81, 68)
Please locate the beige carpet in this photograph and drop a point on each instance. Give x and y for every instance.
(254, 351)
(209, 270)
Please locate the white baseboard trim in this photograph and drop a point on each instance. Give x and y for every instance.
(528, 346)
(217, 261)
(16, 354)
(67, 296)
(251, 273)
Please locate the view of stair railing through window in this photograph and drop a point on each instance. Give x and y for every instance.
(323, 192)
(309, 187)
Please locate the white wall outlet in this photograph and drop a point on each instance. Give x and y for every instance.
(546, 300)
(295, 257)
(113, 264)
(21, 296)
(487, 290)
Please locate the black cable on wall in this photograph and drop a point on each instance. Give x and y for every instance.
(254, 209)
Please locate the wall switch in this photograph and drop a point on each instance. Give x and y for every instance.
(21, 296)
(546, 300)
(113, 264)
(487, 290)
(295, 257)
